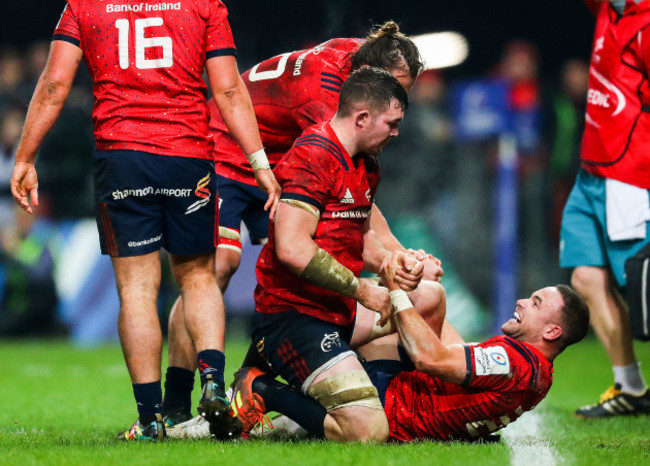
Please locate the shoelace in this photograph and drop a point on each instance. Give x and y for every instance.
(264, 420)
(261, 421)
(609, 394)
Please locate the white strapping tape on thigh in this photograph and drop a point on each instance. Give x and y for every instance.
(335, 360)
(346, 389)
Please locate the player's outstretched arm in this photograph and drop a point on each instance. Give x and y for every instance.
(423, 346)
(49, 96)
(234, 104)
(374, 254)
(432, 266)
(380, 226)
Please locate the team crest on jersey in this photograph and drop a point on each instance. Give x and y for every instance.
(491, 361)
(203, 193)
(330, 341)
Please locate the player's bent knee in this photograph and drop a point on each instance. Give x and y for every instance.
(430, 297)
(370, 426)
(227, 263)
(587, 279)
(352, 393)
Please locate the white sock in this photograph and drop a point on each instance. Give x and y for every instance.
(630, 378)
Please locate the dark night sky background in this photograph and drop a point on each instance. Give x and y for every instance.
(560, 28)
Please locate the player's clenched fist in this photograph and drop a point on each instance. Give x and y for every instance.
(401, 270)
(406, 270)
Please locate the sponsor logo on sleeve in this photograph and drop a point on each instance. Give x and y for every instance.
(491, 361)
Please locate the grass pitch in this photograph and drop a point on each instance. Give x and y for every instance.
(63, 405)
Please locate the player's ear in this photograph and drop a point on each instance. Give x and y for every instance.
(361, 118)
(552, 332)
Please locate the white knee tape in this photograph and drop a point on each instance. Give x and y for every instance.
(352, 388)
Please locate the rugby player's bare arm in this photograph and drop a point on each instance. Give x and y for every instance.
(234, 104)
(294, 231)
(295, 247)
(432, 266)
(380, 226)
(375, 253)
(425, 349)
(49, 96)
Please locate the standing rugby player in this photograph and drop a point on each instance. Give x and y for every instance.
(154, 176)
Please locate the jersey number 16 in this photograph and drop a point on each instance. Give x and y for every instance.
(142, 43)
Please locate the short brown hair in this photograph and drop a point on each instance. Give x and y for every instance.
(374, 86)
(575, 316)
(385, 47)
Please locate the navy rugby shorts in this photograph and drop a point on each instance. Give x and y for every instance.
(144, 202)
(240, 202)
(383, 371)
(295, 345)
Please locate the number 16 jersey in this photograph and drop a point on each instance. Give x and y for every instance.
(146, 61)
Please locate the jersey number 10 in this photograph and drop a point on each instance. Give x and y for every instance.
(142, 43)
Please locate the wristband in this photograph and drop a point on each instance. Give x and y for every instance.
(400, 301)
(258, 160)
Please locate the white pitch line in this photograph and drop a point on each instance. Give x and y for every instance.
(527, 444)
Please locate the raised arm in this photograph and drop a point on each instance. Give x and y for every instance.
(234, 104)
(423, 346)
(49, 96)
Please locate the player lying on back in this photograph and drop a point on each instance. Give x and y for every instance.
(439, 387)
(434, 385)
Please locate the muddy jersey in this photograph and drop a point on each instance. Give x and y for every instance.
(318, 171)
(504, 379)
(290, 92)
(146, 61)
(617, 120)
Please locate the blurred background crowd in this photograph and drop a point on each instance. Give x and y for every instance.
(437, 191)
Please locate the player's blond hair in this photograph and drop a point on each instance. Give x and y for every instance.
(388, 48)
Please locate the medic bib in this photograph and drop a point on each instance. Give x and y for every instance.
(616, 141)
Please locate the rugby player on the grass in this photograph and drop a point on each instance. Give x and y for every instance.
(308, 272)
(289, 92)
(432, 384)
(153, 171)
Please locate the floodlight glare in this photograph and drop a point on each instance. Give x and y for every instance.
(442, 49)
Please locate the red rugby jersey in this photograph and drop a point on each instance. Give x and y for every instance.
(146, 61)
(319, 171)
(505, 378)
(289, 92)
(617, 120)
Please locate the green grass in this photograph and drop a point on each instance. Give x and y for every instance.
(63, 405)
